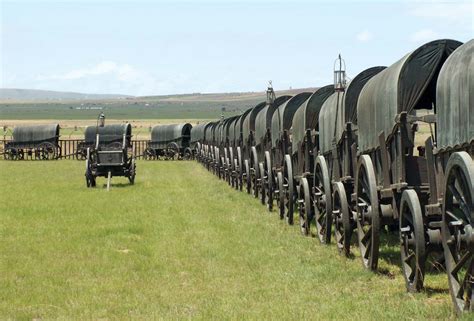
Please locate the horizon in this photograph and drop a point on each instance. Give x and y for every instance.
(143, 49)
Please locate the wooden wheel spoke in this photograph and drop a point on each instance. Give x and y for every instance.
(460, 263)
(409, 257)
(460, 198)
(467, 278)
(367, 250)
(367, 237)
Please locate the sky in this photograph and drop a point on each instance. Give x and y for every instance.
(171, 47)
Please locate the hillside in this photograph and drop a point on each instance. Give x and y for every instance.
(186, 107)
(15, 94)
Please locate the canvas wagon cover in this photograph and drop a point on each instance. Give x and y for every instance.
(263, 121)
(455, 98)
(197, 132)
(36, 133)
(108, 134)
(239, 125)
(249, 123)
(406, 85)
(336, 113)
(164, 134)
(208, 132)
(229, 127)
(307, 116)
(283, 116)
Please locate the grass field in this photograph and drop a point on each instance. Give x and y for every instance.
(177, 245)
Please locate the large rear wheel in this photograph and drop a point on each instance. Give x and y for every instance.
(368, 213)
(267, 180)
(412, 241)
(261, 172)
(254, 171)
(247, 176)
(457, 230)
(288, 189)
(304, 207)
(281, 196)
(343, 223)
(322, 200)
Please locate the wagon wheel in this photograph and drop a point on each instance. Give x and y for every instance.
(150, 153)
(304, 207)
(133, 171)
(11, 154)
(197, 151)
(261, 172)
(457, 230)
(343, 223)
(221, 168)
(47, 151)
(267, 180)
(412, 241)
(187, 154)
(288, 189)
(254, 171)
(322, 200)
(81, 153)
(225, 167)
(172, 151)
(90, 179)
(368, 219)
(247, 176)
(240, 168)
(281, 196)
(231, 167)
(236, 175)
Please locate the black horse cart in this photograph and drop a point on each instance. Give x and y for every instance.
(170, 142)
(111, 154)
(39, 142)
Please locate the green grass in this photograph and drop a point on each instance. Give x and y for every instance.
(123, 110)
(179, 244)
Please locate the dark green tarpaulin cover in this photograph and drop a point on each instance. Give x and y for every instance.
(455, 98)
(263, 120)
(197, 132)
(341, 109)
(208, 132)
(36, 133)
(405, 86)
(249, 123)
(307, 116)
(239, 124)
(109, 134)
(283, 116)
(162, 135)
(229, 127)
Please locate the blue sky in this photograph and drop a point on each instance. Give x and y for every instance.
(168, 47)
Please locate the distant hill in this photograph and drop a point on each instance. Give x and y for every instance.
(216, 97)
(13, 94)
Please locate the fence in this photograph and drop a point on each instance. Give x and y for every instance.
(69, 149)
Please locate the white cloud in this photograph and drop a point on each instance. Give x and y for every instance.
(115, 78)
(424, 35)
(364, 36)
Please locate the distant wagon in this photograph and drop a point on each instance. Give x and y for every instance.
(34, 142)
(170, 141)
(110, 154)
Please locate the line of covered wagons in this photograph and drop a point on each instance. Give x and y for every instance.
(348, 161)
